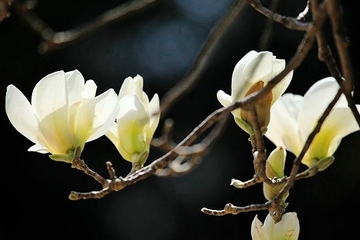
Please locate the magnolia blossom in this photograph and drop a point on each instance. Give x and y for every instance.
(63, 114)
(251, 74)
(275, 165)
(293, 118)
(136, 121)
(287, 229)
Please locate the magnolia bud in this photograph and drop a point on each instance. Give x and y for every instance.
(275, 165)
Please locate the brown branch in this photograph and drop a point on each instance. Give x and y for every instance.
(342, 44)
(288, 22)
(52, 40)
(231, 209)
(79, 164)
(268, 32)
(190, 156)
(117, 184)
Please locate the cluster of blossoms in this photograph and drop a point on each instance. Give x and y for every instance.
(287, 119)
(65, 113)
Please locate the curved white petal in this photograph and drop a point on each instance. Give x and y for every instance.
(339, 124)
(316, 100)
(56, 131)
(257, 232)
(154, 114)
(283, 127)
(239, 83)
(126, 87)
(131, 121)
(49, 94)
(89, 89)
(274, 68)
(105, 107)
(268, 226)
(38, 148)
(132, 85)
(112, 134)
(250, 70)
(288, 228)
(281, 87)
(223, 98)
(139, 82)
(74, 86)
(20, 114)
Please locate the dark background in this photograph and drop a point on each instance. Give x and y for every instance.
(160, 44)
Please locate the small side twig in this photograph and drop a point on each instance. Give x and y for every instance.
(288, 22)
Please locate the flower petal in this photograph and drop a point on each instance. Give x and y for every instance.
(20, 114)
(102, 110)
(224, 99)
(288, 228)
(253, 67)
(283, 127)
(131, 121)
(281, 87)
(154, 114)
(74, 86)
(257, 232)
(52, 88)
(312, 109)
(338, 124)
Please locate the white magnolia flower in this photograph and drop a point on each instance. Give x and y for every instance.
(63, 114)
(287, 229)
(136, 122)
(251, 74)
(293, 118)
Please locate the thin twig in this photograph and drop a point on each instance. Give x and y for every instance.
(232, 209)
(288, 22)
(52, 40)
(342, 44)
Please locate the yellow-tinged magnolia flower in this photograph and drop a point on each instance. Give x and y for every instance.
(293, 118)
(63, 114)
(136, 122)
(275, 165)
(251, 74)
(287, 229)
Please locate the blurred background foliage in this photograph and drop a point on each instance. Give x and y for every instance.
(160, 43)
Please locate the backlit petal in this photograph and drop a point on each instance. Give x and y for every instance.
(74, 86)
(257, 232)
(281, 87)
(250, 70)
(224, 98)
(105, 109)
(20, 114)
(49, 94)
(283, 125)
(154, 114)
(316, 99)
(288, 228)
